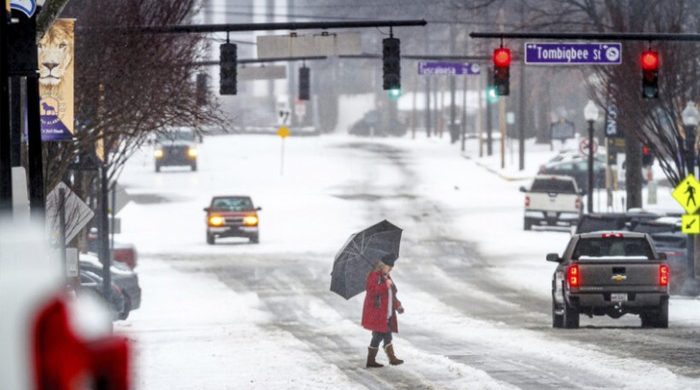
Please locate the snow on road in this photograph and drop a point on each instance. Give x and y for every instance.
(194, 331)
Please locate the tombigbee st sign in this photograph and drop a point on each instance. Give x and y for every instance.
(590, 53)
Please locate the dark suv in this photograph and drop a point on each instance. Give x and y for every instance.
(232, 216)
(176, 148)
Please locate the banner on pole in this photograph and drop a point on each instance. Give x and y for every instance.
(56, 81)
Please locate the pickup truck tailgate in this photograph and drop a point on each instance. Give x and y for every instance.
(619, 274)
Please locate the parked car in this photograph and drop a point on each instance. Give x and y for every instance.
(125, 253)
(176, 147)
(91, 281)
(232, 216)
(610, 273)
(126, 280)
(578, 169)
(553, 201)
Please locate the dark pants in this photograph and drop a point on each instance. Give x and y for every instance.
(378, 337)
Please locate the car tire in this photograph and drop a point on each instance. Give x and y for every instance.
(557, 319)
(571, 317)
(254, 239)
(661, 318)
(646, 320)
(527, 224)
(211, 240)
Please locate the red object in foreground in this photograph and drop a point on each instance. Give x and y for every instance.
(573, 276)
(664, 275)
(650, 60)
(63, 361)
(501, 57)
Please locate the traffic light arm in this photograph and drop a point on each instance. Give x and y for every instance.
(228, 27)
(680, 37)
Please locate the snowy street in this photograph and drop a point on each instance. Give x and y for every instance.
(475, 286)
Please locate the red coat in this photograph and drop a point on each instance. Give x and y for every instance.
(374, 312)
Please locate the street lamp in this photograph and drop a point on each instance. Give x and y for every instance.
(590, 112)
(690, 116)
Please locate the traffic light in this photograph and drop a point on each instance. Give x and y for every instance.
(650, 74)
(392, 63)
(394, 94)
(501, 71)
(491, 94)
(228, 58)
(647, 156)
(202, 89)
(304, 83)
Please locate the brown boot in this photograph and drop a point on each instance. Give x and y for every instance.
(371, 356)
(393, 360)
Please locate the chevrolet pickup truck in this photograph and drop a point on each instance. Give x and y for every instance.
(610, 273)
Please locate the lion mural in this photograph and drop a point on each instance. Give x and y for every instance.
(56, 73)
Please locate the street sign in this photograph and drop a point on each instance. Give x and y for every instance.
(283, 117)
(121, 200)
(583, 146)
(72, 261)
(447, 68)
(283, 132)
(275, 72)
(562, 130)
(510, 118)
(590, 53)
(611, 123)
(300, 108)
(27, 7)
(280, 46)
(687, 193)
(690, 224)
(78, 214)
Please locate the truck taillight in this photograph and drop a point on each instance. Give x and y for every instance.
(572, 276)
(664, 275)
(578, 204)
(527, 201)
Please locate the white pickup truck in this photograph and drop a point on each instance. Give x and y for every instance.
(553, 201)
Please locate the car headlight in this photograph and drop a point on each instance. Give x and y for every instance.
(158, 153)
(250, 220)
(192, 152)
(216, 220)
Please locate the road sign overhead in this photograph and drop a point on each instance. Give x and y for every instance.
(274, 46)
(447, 68)
(690, 224)
(687, 193)
(540, 53)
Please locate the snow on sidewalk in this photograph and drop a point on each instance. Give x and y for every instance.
(193, 332)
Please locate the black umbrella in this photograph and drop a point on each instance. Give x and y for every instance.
(360, 254)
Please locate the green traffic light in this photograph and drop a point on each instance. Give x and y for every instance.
(491, 95)
(394, 93)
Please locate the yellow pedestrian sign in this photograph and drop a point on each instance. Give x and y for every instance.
(687, 193)
(283, 132)
(690, 224)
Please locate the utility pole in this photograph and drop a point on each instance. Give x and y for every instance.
(453, 86)
(502, 128)
(5, 158)
(489, 129)
(521, 103)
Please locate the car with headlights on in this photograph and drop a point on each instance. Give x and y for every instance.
(232, 216)
(176, 147)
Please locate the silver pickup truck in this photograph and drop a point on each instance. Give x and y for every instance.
(610, 273)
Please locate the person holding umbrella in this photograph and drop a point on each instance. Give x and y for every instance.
(379, 311)
(363, 264)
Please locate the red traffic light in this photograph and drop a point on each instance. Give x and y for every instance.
(501, 57)
(650, 60)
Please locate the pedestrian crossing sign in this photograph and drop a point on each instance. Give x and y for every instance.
(690, 224)
(687, 193)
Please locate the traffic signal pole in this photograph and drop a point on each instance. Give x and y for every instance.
(5, 157)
